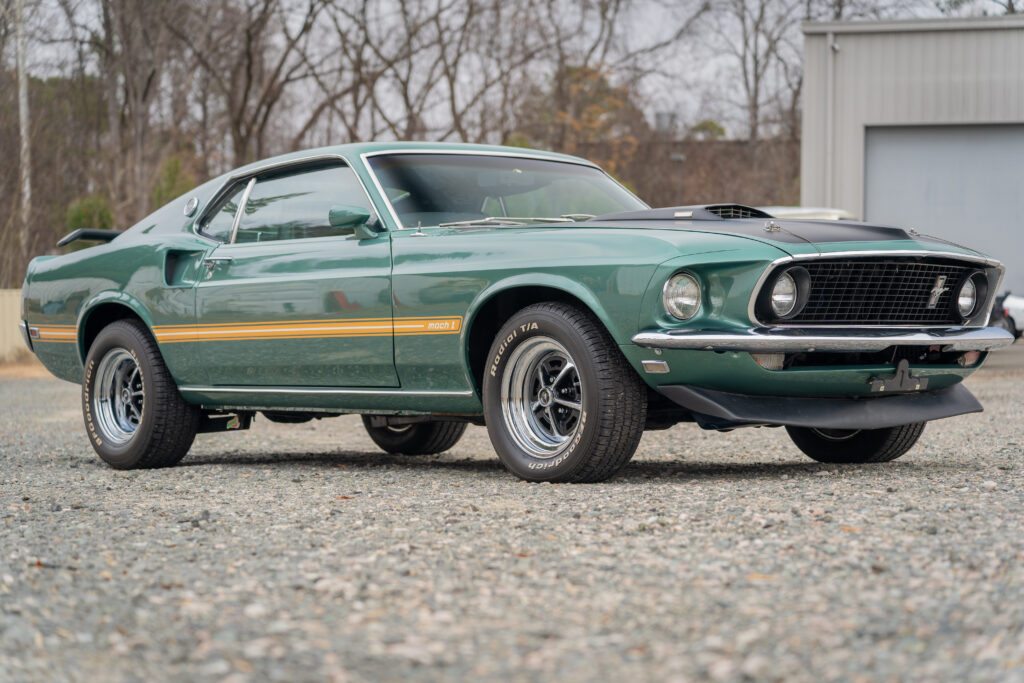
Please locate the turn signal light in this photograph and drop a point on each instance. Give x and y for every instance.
(769, 361)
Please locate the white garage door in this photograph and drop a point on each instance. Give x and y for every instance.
(961, 183)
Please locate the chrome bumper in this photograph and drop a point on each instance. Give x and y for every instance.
(23, 326)
(795, 340)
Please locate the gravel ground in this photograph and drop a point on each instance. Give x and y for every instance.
(300, 553)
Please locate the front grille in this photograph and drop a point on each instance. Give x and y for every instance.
(887, 291)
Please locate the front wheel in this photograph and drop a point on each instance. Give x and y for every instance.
(133, 412)
(560, 401)
(849, 446)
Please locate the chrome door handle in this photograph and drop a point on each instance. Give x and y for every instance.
(211, 262)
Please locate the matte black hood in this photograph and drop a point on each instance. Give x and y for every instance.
(743, 220)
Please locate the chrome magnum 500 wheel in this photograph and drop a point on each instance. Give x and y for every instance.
(133, 412)
(560, 401)
(541, 397)
(117, 399)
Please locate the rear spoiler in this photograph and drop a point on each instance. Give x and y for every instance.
(90, 234)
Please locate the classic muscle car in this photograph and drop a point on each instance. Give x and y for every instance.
(428, 286)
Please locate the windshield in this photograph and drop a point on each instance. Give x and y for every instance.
(430, 189)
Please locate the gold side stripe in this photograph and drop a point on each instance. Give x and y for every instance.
(55, 334)
(369, 329)
(322, 321)
(264, 337)
(290, 329)
(365, 327)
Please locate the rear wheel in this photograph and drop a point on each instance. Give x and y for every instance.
(133, 412)
(560, 400)
(848, 446)
(418, 438)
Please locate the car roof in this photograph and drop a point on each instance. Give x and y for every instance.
(352, 151)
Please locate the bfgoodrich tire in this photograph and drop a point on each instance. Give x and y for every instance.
(848, 446)
(133, 412)
(560, 401)
(419, 438)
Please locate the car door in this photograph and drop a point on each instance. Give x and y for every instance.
(292, 296)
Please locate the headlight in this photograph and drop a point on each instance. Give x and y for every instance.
(681, 296)
(972, 292)
(784, 295)
(967, 298)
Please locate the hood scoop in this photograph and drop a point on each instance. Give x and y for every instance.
(701, 212)
(728, 218)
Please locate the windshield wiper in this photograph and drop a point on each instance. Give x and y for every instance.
(578, 216)
(507, 220)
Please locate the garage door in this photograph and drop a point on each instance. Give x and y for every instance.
(961, 183)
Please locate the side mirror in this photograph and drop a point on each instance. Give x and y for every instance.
(356, 217)
(366, 231)
(345, 216)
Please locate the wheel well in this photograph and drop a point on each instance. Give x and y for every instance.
(100, 317)
(498, 309)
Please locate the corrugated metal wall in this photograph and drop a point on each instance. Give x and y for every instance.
(899, 73)
(11, 342)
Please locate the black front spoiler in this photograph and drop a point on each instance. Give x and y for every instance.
(721, 410)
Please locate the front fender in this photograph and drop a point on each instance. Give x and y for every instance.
(619, 327)
(727, 279)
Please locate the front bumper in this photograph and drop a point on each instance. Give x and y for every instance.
(805, 339)
(722, 410)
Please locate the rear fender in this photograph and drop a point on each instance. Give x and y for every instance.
(109, 297)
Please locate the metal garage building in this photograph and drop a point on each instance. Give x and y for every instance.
(920, 124)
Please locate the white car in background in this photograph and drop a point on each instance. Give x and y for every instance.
(813, 212)
(1013, 312)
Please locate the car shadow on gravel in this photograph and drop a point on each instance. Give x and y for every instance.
(635, 471)
(689, 469)
(347, 459)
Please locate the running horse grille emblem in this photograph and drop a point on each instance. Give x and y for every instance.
(937, 290)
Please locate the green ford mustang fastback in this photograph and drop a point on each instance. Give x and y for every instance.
(427, 286)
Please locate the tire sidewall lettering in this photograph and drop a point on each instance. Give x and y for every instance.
(87, 390)
(522, 329)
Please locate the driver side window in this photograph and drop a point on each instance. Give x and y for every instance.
(298, 205)
(218, 224)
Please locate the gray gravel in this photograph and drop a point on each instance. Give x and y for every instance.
(300, 553)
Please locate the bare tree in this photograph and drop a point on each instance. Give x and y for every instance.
(25, 154)
(979, 6)
(250, 56)
(407, 70)
(760, 27)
